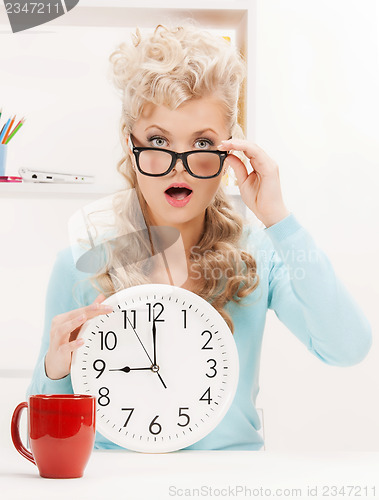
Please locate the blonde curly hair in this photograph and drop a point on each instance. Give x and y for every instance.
(168, 67)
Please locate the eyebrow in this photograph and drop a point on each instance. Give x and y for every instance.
(199, 132)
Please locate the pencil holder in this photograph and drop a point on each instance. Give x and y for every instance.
(3, 158)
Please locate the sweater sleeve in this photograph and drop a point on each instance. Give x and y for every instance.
(59, 299)
(311, 301)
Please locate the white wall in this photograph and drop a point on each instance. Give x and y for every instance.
(316, 97)
(317, 115)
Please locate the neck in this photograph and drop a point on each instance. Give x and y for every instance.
(172, 266)
(190, 231)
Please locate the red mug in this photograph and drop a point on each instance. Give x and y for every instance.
(61, 430)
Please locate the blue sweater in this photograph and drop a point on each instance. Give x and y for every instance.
(297, 281)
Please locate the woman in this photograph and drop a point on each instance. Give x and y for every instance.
(180, 90)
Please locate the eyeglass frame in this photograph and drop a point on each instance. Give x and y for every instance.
(175, 157)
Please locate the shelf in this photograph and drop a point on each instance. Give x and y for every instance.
(185, 4)
(146, 14)
(19, 188)
(168, 4)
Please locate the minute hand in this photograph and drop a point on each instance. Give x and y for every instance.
(153, 364)
(139, 340)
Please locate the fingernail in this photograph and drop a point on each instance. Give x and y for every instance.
(107, 308)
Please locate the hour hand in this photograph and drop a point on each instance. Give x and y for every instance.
(127, 369)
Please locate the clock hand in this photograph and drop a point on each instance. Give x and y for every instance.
(127, 369)
(154, 367)
(154, 343)
(164, 385)
(140, 340)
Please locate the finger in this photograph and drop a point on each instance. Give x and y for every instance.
(238, 167)
(65, 329)
(251, 150)
(259, 159)
(99, 298)
(71, 346)
(70, 327)
(73, 325)
(91, 310)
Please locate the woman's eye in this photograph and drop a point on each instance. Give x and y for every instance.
(204, 143)
(157, 142)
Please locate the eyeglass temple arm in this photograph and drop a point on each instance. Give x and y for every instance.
(130, 144)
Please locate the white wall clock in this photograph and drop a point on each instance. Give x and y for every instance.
(163, 367)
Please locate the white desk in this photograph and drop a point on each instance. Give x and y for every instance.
(126, 475)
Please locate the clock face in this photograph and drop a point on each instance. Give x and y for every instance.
(164, 398)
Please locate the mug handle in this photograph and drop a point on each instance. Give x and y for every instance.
(15, 430)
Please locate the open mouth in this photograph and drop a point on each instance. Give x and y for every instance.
(178, 193)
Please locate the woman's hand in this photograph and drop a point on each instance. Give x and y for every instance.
(64, 331)
(260, 190)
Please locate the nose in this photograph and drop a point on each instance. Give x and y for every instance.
(182, 167)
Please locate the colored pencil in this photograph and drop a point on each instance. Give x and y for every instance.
(4, 131)
(16, 129)
(22, 120)
(9, 129)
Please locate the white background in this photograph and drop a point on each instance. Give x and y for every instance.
(316, 113)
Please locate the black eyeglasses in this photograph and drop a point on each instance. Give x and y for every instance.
(157, 162)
